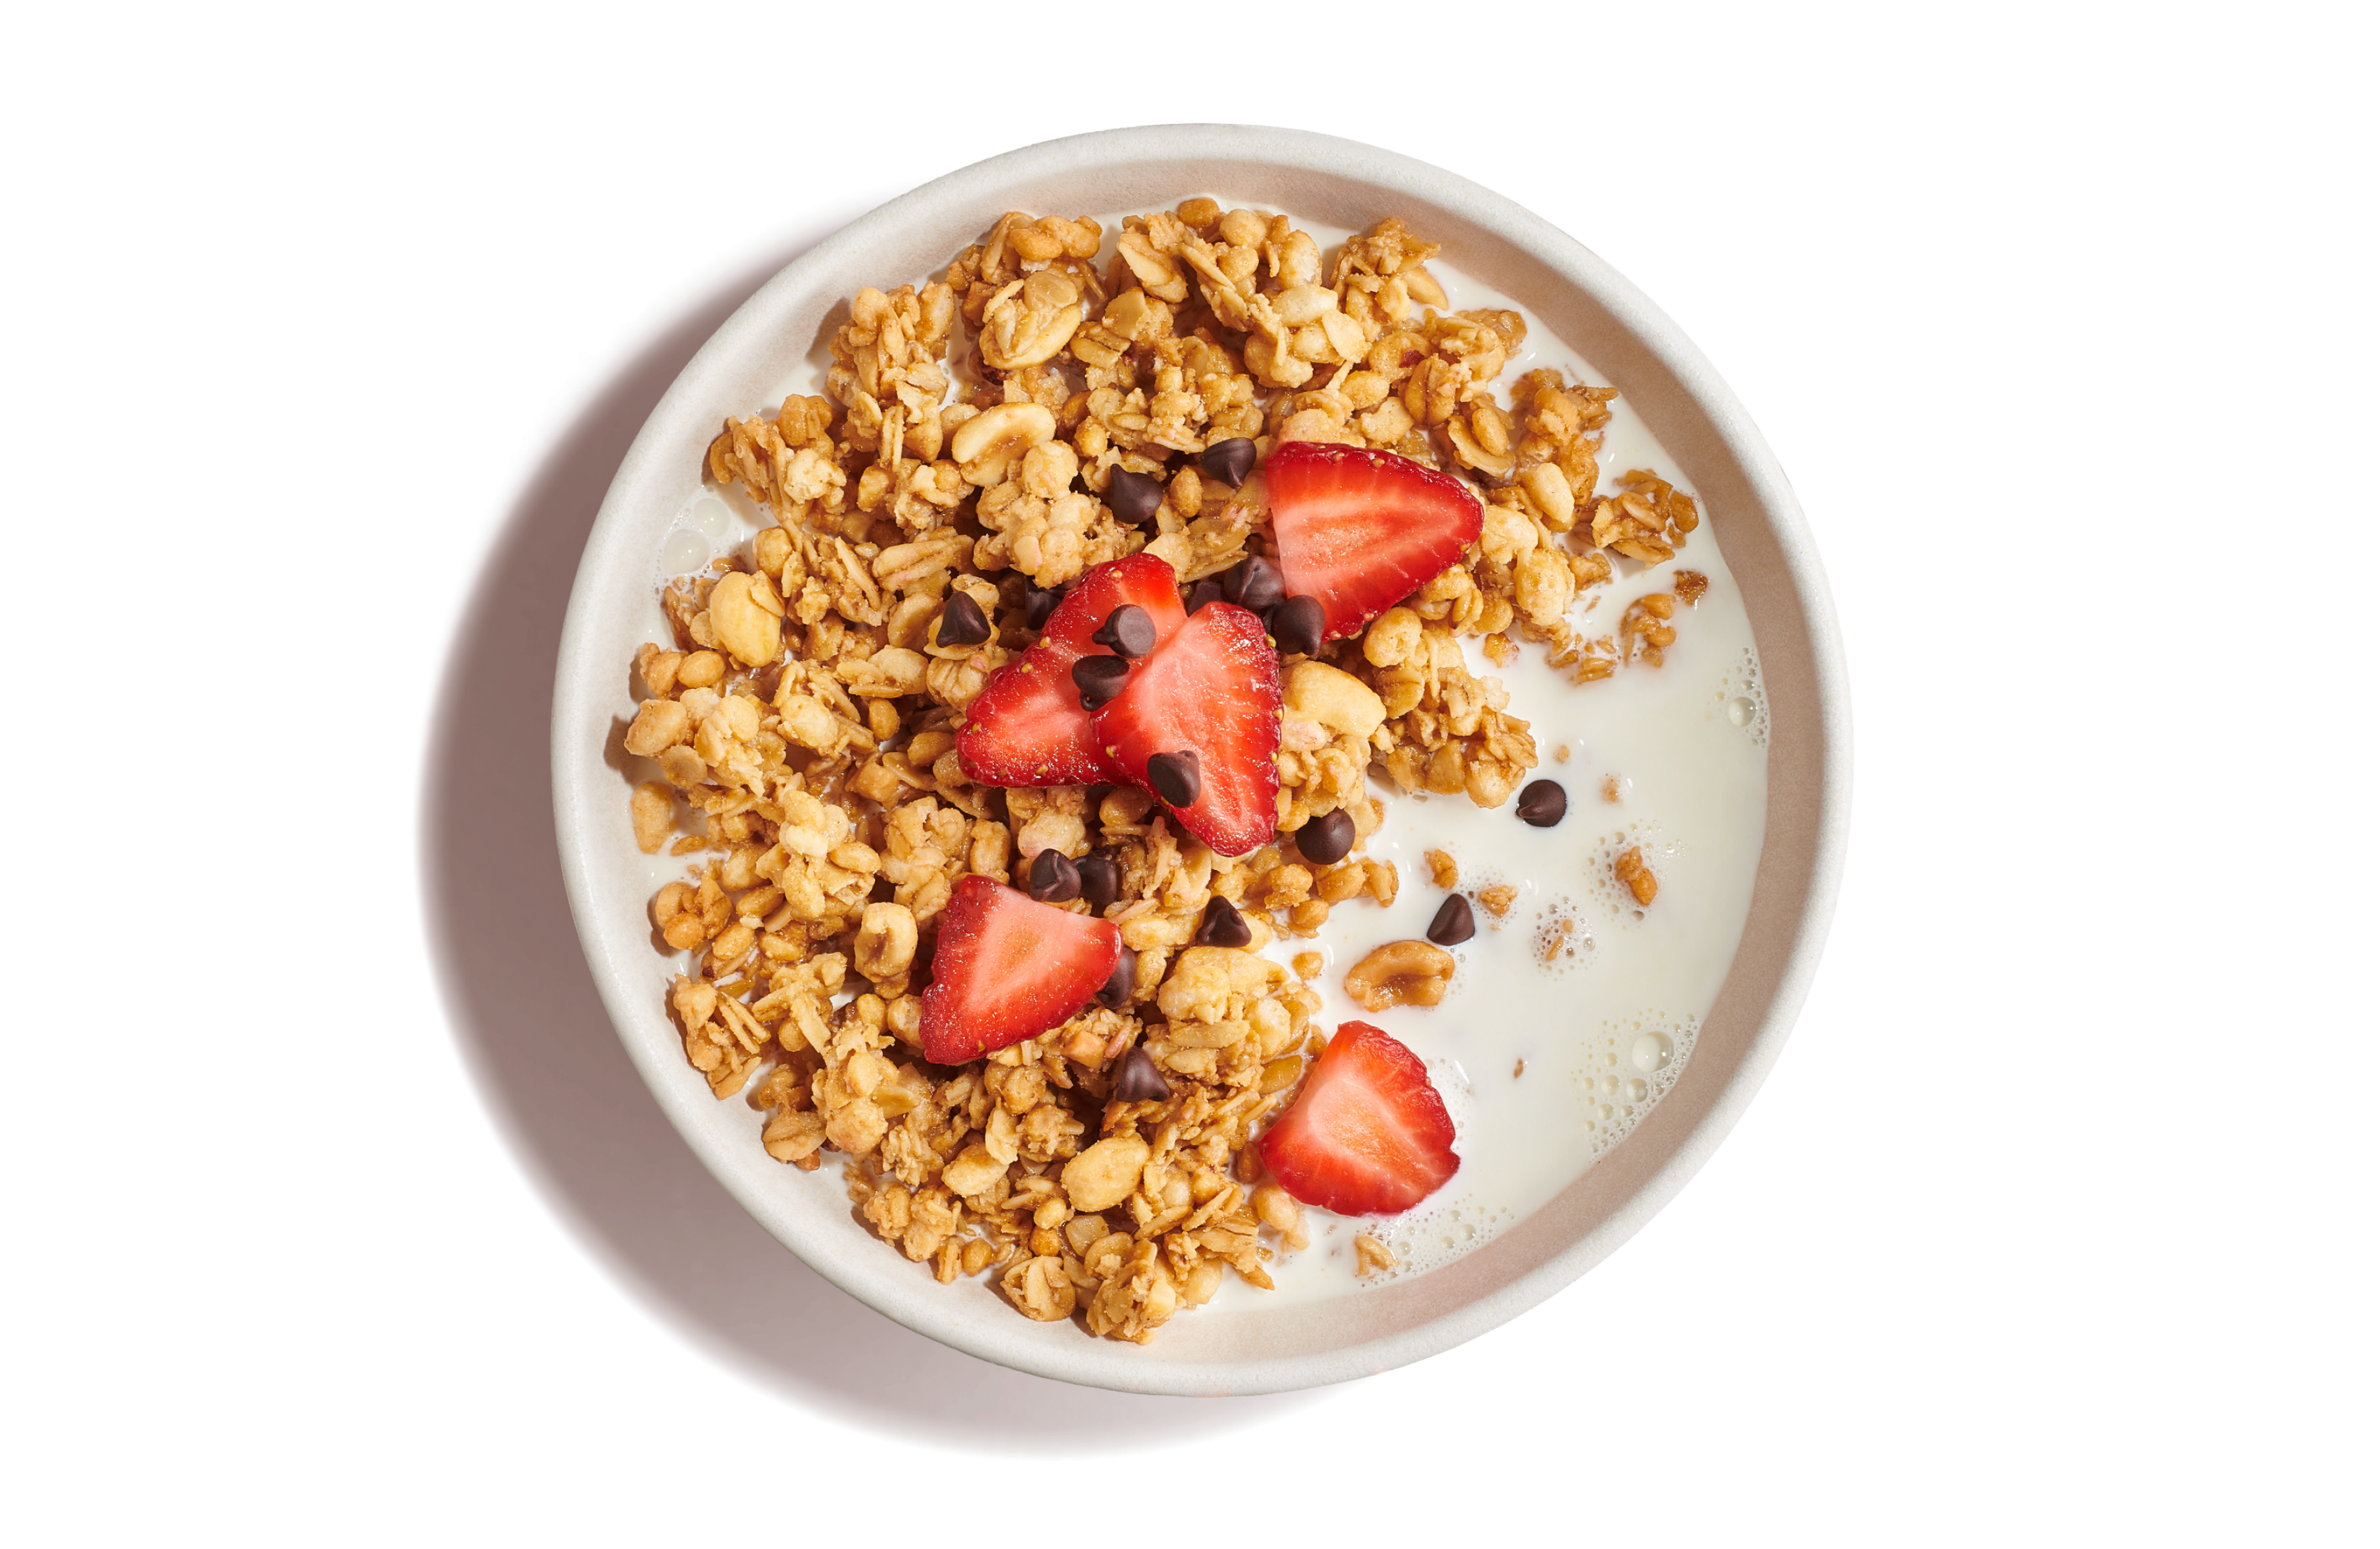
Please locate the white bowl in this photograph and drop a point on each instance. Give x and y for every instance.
(1589, 307)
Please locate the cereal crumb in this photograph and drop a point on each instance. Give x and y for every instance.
(1498, 899)
(1690, 586)
(1443, 872)
(1308, 965)
(1518, 1066)
(1612, 789)
(1372, 1255)
(1561, 752)
(1632, 871)
(1400, 974)
(1556, 934)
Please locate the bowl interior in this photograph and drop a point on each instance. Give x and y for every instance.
(1587, 306)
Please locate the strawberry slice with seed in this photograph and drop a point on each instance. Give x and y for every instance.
(1027, 726)
(1007, 969)
(1361, 530)
(1368, 1134)
(1205, 706)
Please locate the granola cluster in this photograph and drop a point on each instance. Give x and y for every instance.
(804, 721)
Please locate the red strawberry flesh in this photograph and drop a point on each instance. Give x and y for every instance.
(1214, 686)
(1368, 1134)
(1361, 530)
(1007, 969)
(1027, 726)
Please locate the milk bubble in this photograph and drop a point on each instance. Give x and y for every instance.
(684, 551)
(1651, 1052)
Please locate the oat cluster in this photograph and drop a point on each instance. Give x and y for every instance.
(804, 717)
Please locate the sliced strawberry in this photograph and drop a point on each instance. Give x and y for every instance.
(1360, 530)
(1007, 969)
(1213, 690)
(1368, 1135)
(1027, 726)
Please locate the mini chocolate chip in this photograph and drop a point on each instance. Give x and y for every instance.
(1052, 879)
(1222, 927)
(1102, 880)
(1174, 777)
(1255, 584)
(1133, 497)
(1452, 925)
(1039, 602)
(1543, 803)
(1295, 626)
(1208, 590)
(1230, 460)
(1101, 678)
(962, 622)
(1138, 1079)
(1116, 994)
(1326, 838)
(1129, 631)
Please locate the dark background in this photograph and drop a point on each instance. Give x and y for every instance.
(518, 265)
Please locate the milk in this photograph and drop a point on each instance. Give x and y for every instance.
(1571, 1015)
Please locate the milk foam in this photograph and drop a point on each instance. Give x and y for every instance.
(1569, 1017)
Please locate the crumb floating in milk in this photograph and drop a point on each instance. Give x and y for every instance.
(1070, 392)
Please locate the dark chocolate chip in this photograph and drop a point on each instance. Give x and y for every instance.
(1208, 590)
(1255, 584)
(1228, 460)
(1129, 631)
(1037, 605)
(1133, 497)
(1174, 777)
(1101, 678)
(962, 622)
(1116, 994)
(1138, 1079)
(1326, 838)
(1453, 924)
(1222, 927)
(1296, 626)
(1052, 879)
(1543, 803)
(1102, 879)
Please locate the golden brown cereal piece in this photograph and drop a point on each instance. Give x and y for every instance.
(1103, 1176)
(1039, 1288)
(1636, 875)
(1372, 1255)
(1443, 872)
(661, 724)
(1498, 899)
(1400, 974)
(741, 621)
(1690, 586)
(1645, 629)
(653, 812)
(1276, 1209)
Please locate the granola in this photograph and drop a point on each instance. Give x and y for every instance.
(971, 450)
